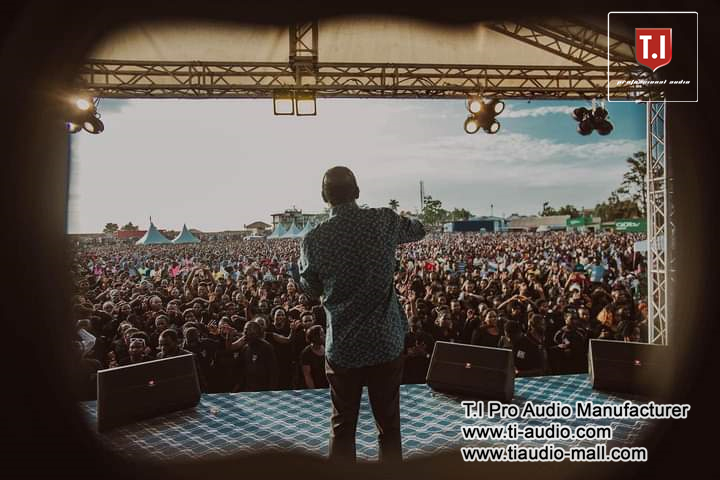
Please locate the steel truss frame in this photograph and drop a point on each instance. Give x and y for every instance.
(127, 79)
(657, 222)
(570, 39)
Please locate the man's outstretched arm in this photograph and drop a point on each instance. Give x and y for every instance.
(410, 230)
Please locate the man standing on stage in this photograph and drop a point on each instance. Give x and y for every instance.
(349, 260)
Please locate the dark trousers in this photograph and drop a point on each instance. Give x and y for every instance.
(346, 385)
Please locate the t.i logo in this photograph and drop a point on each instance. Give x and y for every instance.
(653, 47)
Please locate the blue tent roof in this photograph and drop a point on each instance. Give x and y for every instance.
(308, 226)
(185, 236)
(152, 237)
(278, 232)
(294, 232)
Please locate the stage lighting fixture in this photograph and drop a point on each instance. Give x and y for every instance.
(496, 106)
(580, 113)
(492, 128)
(283, 102)
(474, 104)
(585, 127)
(471, 125)
(589, 120)
(483, 112)
(93, 125)
(305, 104)
(84, 104)
(82, 114)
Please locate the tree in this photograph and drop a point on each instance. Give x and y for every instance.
(394, 204)
(634, 181)
(432, 212)
(130, 227)
(547, 210)
(460, 214)
(569, 210)
(617, 207)
(110, 228)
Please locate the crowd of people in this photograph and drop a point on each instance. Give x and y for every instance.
(239, 308)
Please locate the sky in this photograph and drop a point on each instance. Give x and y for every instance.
(221, 164)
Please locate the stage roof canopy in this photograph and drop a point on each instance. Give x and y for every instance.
(353, 40)
(361, 56)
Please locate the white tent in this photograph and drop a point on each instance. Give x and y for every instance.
(153, 237)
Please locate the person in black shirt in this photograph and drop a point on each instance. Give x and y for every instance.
(472, 322)
(169, 345)
(137, 352)
(418, 347)
(526, 354)
(312, 359)
(487, 334)
(204, 350)
(570, 351)
(259, 364)
(444, 329)
(283, 348)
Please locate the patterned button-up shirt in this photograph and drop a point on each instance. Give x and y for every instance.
(349, 259)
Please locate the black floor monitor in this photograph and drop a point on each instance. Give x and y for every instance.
(135, 392)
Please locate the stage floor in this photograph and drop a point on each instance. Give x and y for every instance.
(236, 423)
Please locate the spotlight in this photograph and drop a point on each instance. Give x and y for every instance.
(305, 104)
(474, 104)
(492, 128)
(585, 127)
(471, 125)
(84, 104)
(283, 102)
(93, 125)
(580, 113)
(496, 106)
(604, 127)
(73, 127)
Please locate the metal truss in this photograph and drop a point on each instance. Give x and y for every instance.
(567, 39)
(129, 79)
(657, 222)
(303, 50)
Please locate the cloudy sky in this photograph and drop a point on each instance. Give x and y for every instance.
(220, 164)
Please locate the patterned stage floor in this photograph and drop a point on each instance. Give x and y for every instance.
(299, 420)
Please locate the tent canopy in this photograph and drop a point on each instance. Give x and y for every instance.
(278, 232)
(185, 236)
(293, 232)
(153, 237)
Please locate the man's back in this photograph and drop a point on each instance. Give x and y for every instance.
(350, 260)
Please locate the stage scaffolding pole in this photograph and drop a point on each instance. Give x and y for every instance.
(657, 222)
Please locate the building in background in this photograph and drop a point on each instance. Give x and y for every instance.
(477, 224)
(293, 215)
(584, 224)
(535, 223)
(259, 228)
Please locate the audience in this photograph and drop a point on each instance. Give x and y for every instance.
(238, 307)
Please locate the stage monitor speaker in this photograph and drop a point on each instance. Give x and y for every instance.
(481, 372)
(628, 367)
(144, 390)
